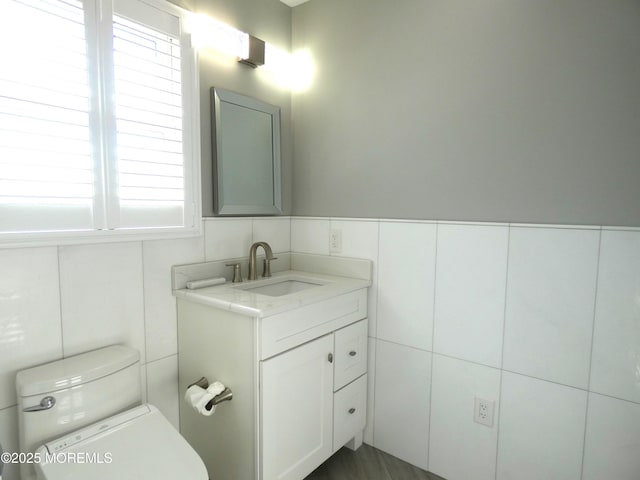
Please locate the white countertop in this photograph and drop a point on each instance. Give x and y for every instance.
(234, 297)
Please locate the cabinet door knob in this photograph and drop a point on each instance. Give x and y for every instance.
(352, 410)
(353, 353)
(330, 357)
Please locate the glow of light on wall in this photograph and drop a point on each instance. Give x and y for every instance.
(207, 32)
(293, 71)
(302, 71)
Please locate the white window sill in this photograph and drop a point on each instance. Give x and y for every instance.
(47, 239)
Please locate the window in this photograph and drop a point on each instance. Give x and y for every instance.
(98, 119)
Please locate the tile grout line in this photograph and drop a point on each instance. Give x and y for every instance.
(144, 325)
(377, 266)
(375, 340)
(504, 329)
(405, 345)
(60, 300)
(620, 399)
(291, 234)
(540, 379)
(144, 306)
(593, 330)
(375, 367)
(204, 241)
(465, 360)
(433, 330)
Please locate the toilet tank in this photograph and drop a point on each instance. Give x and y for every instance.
(85, 387)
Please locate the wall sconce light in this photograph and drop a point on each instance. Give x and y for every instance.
(254, 56)
(294, 71)
(207, 32)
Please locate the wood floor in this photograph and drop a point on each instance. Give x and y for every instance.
(368, 463)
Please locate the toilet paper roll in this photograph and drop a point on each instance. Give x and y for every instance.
(216, 388)
(199, 397)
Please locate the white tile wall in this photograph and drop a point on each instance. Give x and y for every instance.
(162, 387)
(550, 303)
(471, 277)
(275, 231)
(159, 303)
(406, 273)
(227, 238)
(76, 298)
(613, 439)
(541, 429)
(371, 394)
(59, 301)
(360, 240)
(615, 367)
(309, 235)
(9, 440)
(402, 390)
(29, 314)
(102, 297)
(550, 275)
(460, 449)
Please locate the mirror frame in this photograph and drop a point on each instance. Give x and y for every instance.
(221, 206)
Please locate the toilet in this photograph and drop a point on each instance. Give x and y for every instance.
(82, 418)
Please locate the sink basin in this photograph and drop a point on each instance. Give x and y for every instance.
(284, 287)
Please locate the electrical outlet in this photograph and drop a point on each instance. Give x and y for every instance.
(335, 241)
(483, 411)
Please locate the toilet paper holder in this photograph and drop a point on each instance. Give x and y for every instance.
(225, 396)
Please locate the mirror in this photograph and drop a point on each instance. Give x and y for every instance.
(246, 155)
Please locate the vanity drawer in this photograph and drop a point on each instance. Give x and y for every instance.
(349, 411)
(350, 350)
(292, 328)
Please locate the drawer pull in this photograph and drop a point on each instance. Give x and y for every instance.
(352, 410)
(353, 353)
(330, 358)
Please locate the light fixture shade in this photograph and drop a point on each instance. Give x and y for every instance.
(255, 55)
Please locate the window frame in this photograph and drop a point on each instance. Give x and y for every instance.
(99, 38)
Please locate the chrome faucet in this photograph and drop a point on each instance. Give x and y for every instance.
(253, 273)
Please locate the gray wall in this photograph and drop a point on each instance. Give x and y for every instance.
(269, 20)
(488, 110)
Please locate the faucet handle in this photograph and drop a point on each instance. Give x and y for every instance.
(237, 272)
(266, 271)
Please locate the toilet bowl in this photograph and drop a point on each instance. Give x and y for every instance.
(82, 418)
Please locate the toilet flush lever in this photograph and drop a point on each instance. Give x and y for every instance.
(45, 404)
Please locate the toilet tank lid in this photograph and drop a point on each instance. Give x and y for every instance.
(72, 371)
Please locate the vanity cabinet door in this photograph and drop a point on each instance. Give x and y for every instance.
(297, 410)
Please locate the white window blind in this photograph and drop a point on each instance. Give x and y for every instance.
(96, 131)
(148, 86)
(46, 166)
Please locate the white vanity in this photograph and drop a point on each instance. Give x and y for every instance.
(293, 348)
